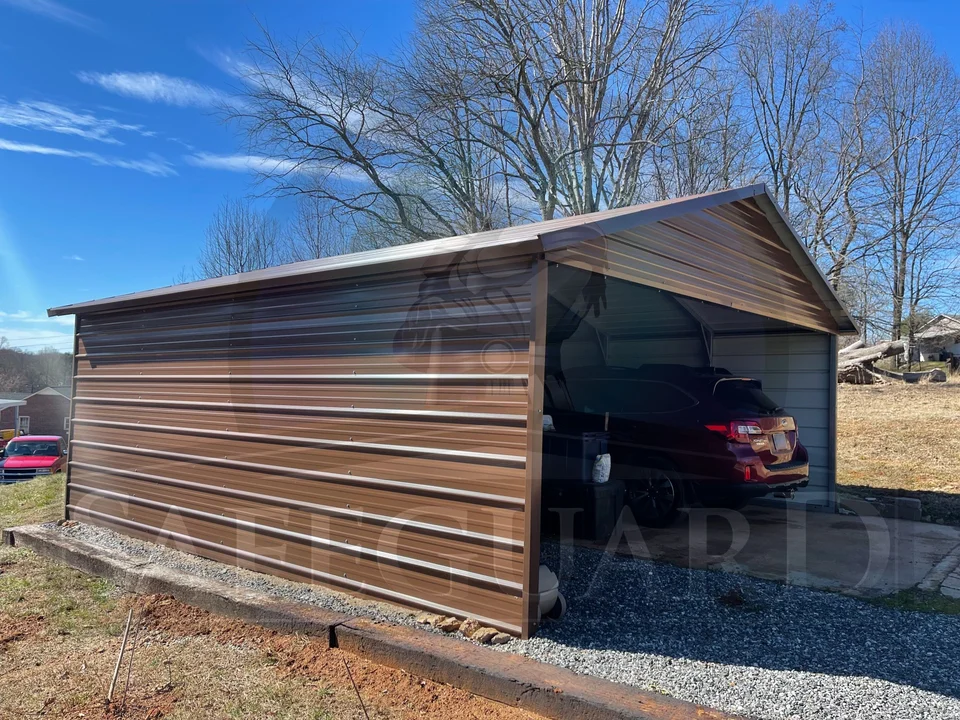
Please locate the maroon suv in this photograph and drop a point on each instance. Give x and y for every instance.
(679, 434)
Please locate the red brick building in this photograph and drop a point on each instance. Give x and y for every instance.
(46, 412)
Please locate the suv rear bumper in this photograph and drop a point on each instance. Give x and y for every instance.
(749, 491)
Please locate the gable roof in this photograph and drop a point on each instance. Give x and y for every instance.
(551, 235)
(63, 390)
(940, 326)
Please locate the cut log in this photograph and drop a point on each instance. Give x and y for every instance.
(856, 364)
(870, 355)
(851, 347)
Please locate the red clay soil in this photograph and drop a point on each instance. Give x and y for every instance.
(387, 692)
(18, 629)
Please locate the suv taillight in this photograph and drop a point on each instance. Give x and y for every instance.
(739, 431)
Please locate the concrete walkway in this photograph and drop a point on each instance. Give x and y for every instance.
(863, 555)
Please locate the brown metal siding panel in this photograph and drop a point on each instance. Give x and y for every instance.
(370, 433)
(534, 464)
(729, 255)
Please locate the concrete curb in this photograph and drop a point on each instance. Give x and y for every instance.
(510, 679)
(541, 688)
(148, 578)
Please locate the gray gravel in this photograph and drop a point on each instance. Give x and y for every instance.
(238, 577)
(785, 653)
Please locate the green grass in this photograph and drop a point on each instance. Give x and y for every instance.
(33, 501)
(921, 601)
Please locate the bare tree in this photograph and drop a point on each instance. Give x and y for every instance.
(836, 185)
(915, 92)
(790, 59)
(575, 92)
(386, 142)
(239, 239)
(496, 111)
(708, 144)
(315, 232)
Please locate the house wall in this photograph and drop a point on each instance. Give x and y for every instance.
(8, 418)
(47, 414)
(366, 433)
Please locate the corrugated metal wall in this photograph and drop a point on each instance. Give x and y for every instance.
(367, 433)
(795, 371)
(730, 255)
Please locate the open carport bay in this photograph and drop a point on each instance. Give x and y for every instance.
(598, 323)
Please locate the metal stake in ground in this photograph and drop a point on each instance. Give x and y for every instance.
(355, 688)
(123, 646)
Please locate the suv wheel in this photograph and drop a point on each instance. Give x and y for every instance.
(655, 493)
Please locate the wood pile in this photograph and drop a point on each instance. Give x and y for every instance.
(856, 363)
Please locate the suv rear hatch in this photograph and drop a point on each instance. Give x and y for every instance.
(760, 422)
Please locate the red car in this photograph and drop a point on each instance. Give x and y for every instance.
(678, 434)
(27, 456)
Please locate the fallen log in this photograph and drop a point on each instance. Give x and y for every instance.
(870, 355)
(851, 347)
(856, 365)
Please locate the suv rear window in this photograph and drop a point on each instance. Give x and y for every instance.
(625, 397)
(744, 396)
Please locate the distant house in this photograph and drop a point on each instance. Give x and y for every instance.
(939, 339)
(46, 412)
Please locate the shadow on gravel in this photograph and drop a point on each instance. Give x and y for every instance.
(637, 606)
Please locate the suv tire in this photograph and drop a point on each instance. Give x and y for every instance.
(654, 492)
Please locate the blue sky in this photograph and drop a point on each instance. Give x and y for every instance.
(112, 158)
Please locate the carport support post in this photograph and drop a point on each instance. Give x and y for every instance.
(73, 405)
(832, 429)
(535, 371)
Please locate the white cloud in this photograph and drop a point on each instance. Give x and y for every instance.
(229, 62)
(54, 11)
(28, 317)
(56, 118)
(33, 332)
(152, 165)
(241, 163)
(157, 88)
(33, 339)
(74, 258)
(271, 166)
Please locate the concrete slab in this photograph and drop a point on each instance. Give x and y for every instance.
(859, 554)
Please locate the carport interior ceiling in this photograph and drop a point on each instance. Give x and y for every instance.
(373, 421)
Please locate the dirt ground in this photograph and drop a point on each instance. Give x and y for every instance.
(902, 439)
(60, 634)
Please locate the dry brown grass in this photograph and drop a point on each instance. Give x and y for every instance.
(902, 438)
(60, 634)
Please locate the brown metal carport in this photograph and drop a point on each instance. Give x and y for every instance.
(373, 421)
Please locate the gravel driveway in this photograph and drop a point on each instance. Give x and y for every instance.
(766, 651)
(786, 652)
